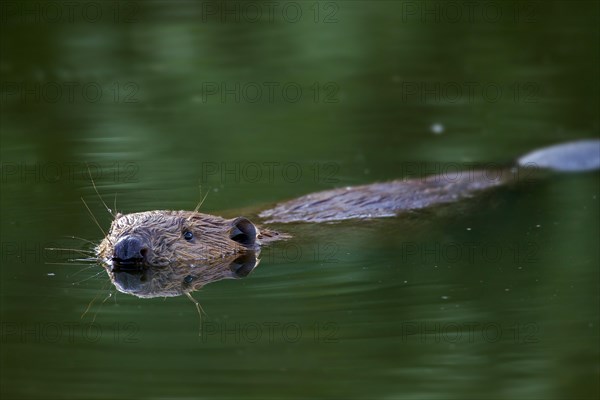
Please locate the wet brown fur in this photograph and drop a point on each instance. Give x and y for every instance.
(163, 230)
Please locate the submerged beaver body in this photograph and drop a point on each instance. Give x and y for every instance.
(169, 253)
(387, 199)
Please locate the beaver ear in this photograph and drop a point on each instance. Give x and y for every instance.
(243, 231)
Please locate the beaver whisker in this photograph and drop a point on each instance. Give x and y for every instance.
(71, 261)
(80, 238)
(94, 218)
(93, 300)
(115, 206)
(86, 279)
(100, 197)
(69, 264)
(89, 259)
(81, 270)
(200, 311)
(200, 203)
(85, 252)
(101, 304)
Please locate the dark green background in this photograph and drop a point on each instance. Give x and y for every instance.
(376, 319)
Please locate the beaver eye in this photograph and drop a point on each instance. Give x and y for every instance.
(187, 235)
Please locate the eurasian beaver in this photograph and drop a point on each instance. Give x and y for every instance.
(169, 253)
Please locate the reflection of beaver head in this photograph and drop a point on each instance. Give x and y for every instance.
(177, 279)
(183, 242)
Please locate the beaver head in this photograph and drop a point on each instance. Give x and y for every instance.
(161, 238)
(160, 253)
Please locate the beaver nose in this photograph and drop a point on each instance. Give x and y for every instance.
(130, 248)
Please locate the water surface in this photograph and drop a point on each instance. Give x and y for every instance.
(494, 298)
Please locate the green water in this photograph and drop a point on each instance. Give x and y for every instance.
(497, 297)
